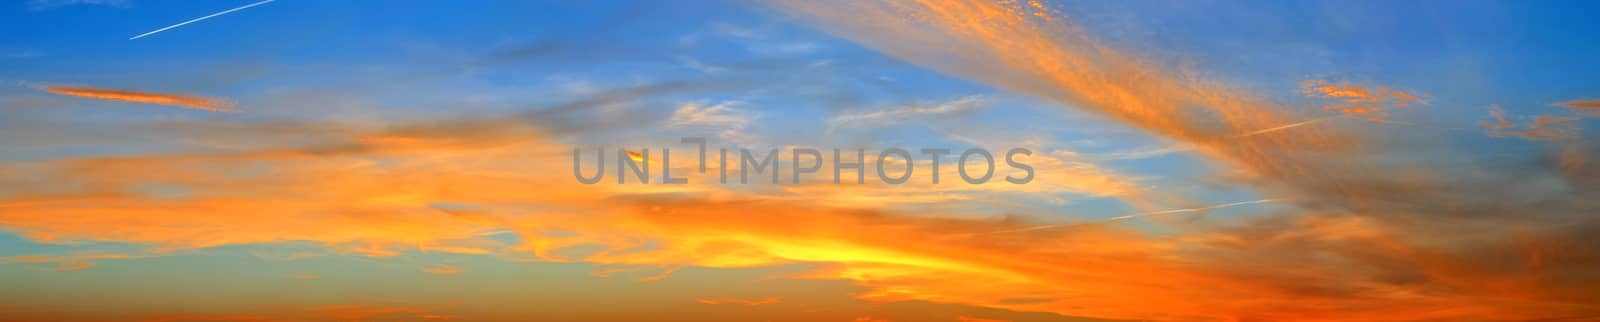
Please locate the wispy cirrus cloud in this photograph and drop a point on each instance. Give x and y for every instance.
(1028, 50)
(1543, 127)
(1372, 103)
(1580, 104)
(131, 96)
(1590, 106)
(705, 114)
(723, 118)
(887, 116)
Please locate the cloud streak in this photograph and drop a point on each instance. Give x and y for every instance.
(116, 95)
(898, 114)
(1590, 106)
(1372, 103)
(1543, 127)
(1585, 104)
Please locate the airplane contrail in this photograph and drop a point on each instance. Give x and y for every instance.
(202, 18)
(1137, 215)
(1195, 209)
(1285, 127)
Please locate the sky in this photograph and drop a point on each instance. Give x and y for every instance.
(414, 160)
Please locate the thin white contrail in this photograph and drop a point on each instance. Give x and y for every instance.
(1196, 209)
(202, 18)
(1137, 215)
(1285, 127)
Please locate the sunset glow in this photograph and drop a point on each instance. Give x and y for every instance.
(798, 160)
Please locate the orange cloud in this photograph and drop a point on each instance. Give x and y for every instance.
(1372, 104)
(1499, 116)
(179, 100)
(1026, 49)
(1543, 127)
(1292, 267)
(1581, 104)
